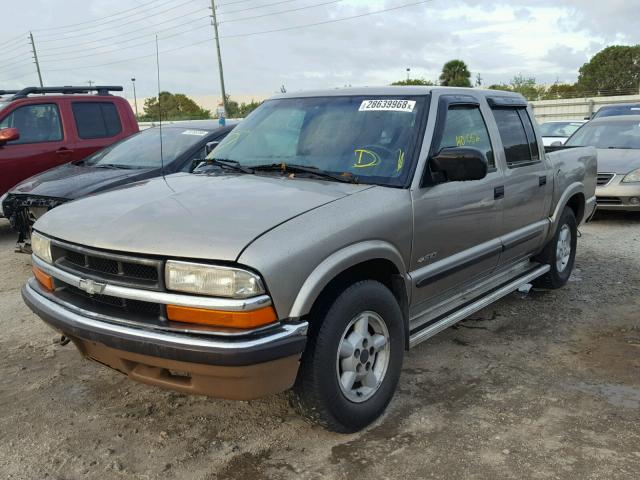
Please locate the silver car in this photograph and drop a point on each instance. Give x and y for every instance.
(618, 142)
(327, 234)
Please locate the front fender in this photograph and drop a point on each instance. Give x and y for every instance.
(337, 263)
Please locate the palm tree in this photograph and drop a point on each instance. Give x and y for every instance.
(455, 74)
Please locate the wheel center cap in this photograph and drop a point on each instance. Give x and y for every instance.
(364, 356)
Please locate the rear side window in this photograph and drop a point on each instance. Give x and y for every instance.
(96, 119)
(531, 135)
(36, 123)
(465, 127)
(517, 146)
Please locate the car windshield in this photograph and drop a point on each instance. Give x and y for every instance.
(143, 149)
(618, 134)
(618, 110)
(559, 129)
(372, 138)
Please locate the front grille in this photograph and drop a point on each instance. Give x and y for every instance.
(121, 304)
(103, 266)
(604, 179)
(609, 201)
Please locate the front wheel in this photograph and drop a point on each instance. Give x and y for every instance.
(352, 363)
(560, 252)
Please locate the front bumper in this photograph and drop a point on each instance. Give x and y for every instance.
(616, 195)
(227, 367)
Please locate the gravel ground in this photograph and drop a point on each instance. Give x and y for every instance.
(544, 385)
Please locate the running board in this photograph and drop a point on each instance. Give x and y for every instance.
(457, 315)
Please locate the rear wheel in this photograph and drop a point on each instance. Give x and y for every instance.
(560, 252)
(352, 363)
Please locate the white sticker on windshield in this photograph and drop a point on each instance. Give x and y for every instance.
(198, 133)
(387, 106)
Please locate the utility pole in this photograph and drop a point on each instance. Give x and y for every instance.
(90, 82)
(408, 73)
(135, 98)
(35, 57)
(215, 29)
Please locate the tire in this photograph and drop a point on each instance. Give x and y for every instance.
(341, 352)
(555, 253)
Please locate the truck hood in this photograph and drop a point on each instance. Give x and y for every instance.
(189, 216)
(71, 181)
(622, 161)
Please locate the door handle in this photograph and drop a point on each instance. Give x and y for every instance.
(498, 192)
(64, 151)
(542, 180)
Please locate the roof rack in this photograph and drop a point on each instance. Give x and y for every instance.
(100, 89)
(8, 92)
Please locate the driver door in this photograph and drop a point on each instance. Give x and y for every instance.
(457, 225)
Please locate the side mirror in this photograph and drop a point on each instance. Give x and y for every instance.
(557, 143)
(8, 135)
(459, 164)
(210, 146)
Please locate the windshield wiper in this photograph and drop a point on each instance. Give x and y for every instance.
(345, 177)
(220, 162)
(114, 166)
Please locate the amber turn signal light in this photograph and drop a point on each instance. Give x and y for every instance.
(45, 280)
(221, 318)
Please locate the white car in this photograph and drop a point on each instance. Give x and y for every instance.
(559, 130)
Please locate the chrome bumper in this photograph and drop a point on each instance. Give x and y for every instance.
(277, 342)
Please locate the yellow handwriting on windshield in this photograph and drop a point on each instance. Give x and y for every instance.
(366, 158)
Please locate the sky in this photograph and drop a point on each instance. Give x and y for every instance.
(112, 41)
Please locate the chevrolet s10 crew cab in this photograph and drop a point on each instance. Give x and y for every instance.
(327, 234)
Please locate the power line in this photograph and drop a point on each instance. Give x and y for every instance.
(17, 38)
(258, 6)
(121, 25)
(281, 12)
(384, 10)
(12, 65)
(96, 20)
(119, 36)
(335, 20)
(94, 54)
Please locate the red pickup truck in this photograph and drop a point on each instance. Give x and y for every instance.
(41, 128)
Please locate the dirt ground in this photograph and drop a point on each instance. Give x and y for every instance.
(537, 386)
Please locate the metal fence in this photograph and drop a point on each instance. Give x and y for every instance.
(575, 108)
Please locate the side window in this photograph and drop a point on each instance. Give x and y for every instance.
(96, 119)
(531, 135)
(465, 127)
(36, 123)
(517, 146)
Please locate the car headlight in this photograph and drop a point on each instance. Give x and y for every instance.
(41, 247)
(217, 281)
(2, 198)
(632, 176)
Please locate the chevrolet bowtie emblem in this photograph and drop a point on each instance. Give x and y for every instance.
(92, 287)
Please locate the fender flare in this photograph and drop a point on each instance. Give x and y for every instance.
(570, 191)
(337, 263)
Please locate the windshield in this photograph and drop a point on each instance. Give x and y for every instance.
(615, 111)
(559, 129)
(618, 134)
(143, 149)
(370, 137)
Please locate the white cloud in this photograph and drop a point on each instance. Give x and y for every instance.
(499, 39)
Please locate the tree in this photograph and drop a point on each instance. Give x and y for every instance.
(174, 107)
(526, 86)
(414, 81)
(240, 110)
(455, 74)
(614, 70)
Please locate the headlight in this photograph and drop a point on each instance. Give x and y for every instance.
(217, 281)
(41, 247)
(2, 198)
(632, 176)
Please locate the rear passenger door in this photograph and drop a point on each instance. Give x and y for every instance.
(97, 125)
(526, 183)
